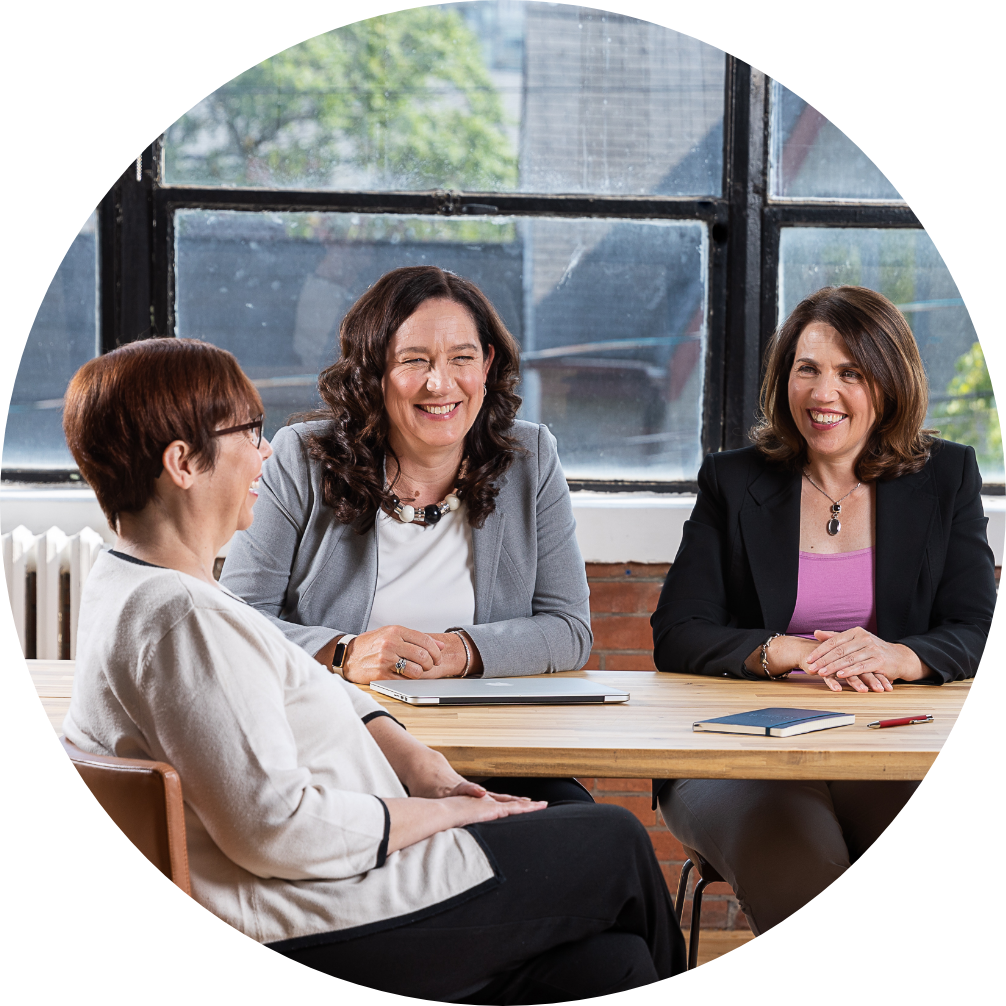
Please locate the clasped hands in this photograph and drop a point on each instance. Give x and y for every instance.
(372, 656)
(855, 657)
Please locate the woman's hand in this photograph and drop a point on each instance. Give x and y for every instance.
(452, 664)
(785, 653)
(372, 655)
(414, 819)
(862, 660)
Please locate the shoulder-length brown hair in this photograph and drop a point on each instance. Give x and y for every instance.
(352, 448)
(122, 409)
(882, 345)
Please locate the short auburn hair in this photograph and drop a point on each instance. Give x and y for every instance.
(881, 344)
(121, 411)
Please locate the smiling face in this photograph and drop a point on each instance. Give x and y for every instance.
(233, 481)
(434, 374)
(829, 396)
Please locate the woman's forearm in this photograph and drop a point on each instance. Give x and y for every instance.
(423, 771)
(415, 818)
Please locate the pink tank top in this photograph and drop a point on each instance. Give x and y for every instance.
(834, 592)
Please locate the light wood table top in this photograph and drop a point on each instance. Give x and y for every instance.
(651, 736)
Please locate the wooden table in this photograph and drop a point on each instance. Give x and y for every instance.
(651, 735)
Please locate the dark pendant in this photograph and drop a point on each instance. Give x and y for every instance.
(432, 514)
(834, 526)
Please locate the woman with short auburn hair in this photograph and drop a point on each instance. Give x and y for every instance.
(117, 419)
(315, 824)
(848, 544)
(413, 526)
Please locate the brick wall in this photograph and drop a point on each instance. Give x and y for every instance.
(622, 598)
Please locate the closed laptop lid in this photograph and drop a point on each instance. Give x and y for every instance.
(553, 690)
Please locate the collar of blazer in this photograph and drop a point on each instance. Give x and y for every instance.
(770, 528)
(487, 543)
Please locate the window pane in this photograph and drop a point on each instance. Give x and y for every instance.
(62, 339)
(610, 315)
(905, 266)
(811, 158)
(488, 96)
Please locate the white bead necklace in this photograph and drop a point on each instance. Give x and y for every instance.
(433, 512)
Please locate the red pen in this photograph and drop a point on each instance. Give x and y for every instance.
(903, 722)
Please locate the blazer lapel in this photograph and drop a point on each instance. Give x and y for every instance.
(770, 527)
(486, 543)
(906, 508)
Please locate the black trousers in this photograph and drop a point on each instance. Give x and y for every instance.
(582, 911)
(553, 790)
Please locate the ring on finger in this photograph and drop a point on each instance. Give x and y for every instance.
(400, 665)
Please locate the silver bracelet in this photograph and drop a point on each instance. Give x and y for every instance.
(764, 658)
(468, 653)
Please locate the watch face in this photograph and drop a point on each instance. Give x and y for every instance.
(340, 655)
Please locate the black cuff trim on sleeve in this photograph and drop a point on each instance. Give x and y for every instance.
(382, 849)
(381, 712)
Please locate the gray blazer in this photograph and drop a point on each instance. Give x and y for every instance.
(315, 577)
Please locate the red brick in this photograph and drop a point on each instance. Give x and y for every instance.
(622, 632)
(741, 920)
(593, 662)
(714, 915)
(636, 570)
(624, 598)
(629, 662)
(719, 888)
(587, 784)
(667, 848)
(624, 785)
(671, 872)
(639, 805)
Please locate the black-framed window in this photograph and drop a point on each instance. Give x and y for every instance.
(640, 207)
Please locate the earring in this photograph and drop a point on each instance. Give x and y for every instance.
(484, 389)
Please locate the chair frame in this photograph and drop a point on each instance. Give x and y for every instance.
(178, 867)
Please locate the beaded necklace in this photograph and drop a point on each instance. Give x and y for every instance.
(432, 513)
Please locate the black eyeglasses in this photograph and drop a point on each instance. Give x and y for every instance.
(255, 424)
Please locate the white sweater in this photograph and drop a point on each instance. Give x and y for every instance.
(279, 774)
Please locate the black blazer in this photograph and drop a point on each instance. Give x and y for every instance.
(734, 579)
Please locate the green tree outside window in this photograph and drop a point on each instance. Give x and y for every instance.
(399, 101)
(967, 413)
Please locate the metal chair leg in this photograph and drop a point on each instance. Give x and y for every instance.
(693, 935)
(679, 901)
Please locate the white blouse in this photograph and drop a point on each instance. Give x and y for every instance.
(282, 781)
(425, 575)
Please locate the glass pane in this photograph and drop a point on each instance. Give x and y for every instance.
(811, 158)
(905, 266)
(610, 315)
(488, 96)
(62, 339)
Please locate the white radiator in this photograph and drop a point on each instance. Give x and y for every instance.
(45, 574)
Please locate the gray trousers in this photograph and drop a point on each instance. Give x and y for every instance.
(779, 843)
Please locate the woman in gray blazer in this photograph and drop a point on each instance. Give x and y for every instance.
(413, 526)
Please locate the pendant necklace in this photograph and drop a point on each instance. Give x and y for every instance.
(834, 525)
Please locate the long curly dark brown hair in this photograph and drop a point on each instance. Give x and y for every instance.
(352, 448)
(881, 343)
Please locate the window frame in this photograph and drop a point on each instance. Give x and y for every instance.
(136, 245)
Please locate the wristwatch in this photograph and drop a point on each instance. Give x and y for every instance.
(339, 657)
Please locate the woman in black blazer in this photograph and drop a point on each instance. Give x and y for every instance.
(849, 543)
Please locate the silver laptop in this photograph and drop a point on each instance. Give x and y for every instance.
(551, 691)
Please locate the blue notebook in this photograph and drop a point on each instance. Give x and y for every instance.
(775, 722)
